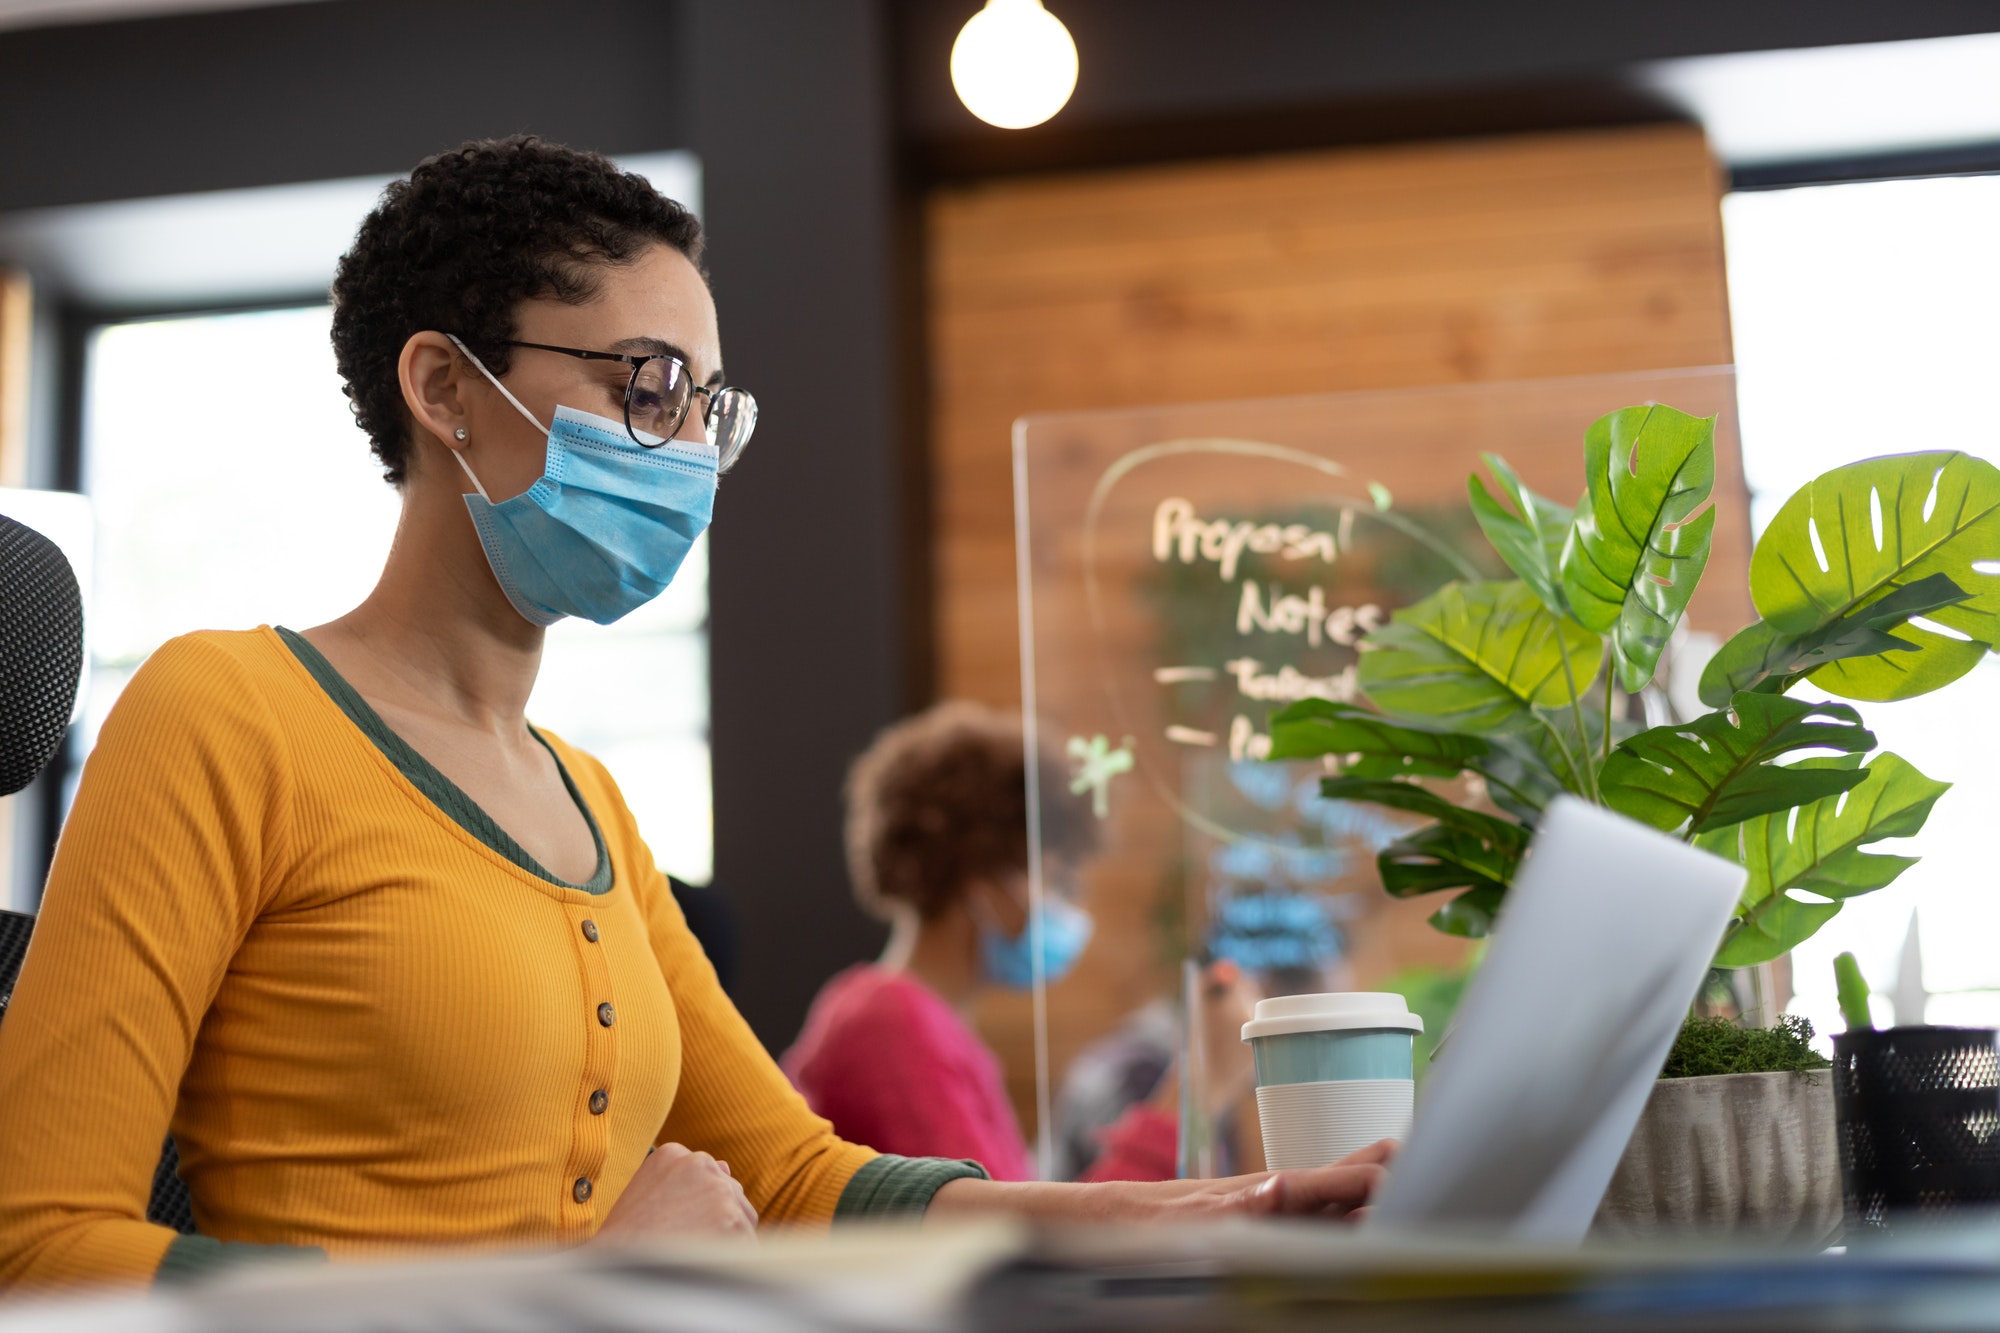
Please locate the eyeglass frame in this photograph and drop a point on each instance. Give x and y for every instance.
(638, 360)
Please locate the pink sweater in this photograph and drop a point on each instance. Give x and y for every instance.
(893, 1066)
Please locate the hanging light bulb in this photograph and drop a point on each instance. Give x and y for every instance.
(1014, 64)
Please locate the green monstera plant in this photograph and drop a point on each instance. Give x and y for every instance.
(1880, 580)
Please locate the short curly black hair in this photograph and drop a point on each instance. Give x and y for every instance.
(469, 236)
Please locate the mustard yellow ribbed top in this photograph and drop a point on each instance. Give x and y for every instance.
(367, 1029)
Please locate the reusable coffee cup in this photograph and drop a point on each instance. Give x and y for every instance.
(1335, 1073)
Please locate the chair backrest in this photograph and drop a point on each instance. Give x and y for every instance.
(15, 927)
(41, 651)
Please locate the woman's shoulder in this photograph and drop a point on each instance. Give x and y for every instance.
(210, 673)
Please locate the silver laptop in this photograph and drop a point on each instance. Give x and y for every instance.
(1598, 952)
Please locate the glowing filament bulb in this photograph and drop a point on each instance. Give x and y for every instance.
(1014, 64)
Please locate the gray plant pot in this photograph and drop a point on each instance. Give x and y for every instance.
(1747, 1156)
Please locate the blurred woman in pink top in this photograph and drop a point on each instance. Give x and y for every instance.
(937, 844)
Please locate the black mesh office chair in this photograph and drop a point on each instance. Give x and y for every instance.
(41, 657)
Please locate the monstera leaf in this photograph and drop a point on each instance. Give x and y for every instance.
(1476, 657)
(1370, 745)
(1529, 537)
(1642, 531)
(1819, 853)
(1464, 848)
(1718, 769)
(1770, 661)
(1860, 533)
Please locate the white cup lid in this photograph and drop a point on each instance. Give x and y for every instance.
(1339, 1011)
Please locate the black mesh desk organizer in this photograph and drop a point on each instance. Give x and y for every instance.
(41, 660)
(1918, 1110)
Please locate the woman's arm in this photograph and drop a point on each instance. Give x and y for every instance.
(1339, 1191)
(178, 822)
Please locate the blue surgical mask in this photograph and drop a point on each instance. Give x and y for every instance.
(1010, 961)
(606, 526)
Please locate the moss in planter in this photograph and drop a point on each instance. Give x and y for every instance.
(1717, 1046)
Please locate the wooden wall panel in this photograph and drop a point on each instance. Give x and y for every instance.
(1504, 259)
(1518, 258)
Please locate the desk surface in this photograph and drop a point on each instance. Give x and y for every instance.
(984, 1279)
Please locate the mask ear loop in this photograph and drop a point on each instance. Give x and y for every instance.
(459, 454)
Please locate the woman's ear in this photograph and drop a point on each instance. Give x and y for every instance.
(433, 379)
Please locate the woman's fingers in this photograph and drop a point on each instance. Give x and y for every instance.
(1335, 1190)
(676, 1190)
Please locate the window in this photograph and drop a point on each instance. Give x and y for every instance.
(232, 489)
(1864, 325)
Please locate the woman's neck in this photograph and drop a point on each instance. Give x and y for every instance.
(437, 635)
(942, 953)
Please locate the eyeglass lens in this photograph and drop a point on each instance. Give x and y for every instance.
(731, 419)
(658, 399)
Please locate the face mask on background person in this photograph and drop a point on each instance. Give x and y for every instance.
(606, 526)
(1010, 960)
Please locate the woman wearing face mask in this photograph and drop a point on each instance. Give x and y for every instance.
(937, 846)
(393, 966)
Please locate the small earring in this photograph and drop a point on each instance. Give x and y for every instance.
(459, 434)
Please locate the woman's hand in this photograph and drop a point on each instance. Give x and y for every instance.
(1341, 1190)
(1338, 1191)
(676, 1192)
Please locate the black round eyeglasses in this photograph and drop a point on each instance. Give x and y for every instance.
(659, 394)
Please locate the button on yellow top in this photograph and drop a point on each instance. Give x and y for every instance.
(590, 931)
(606, 1014)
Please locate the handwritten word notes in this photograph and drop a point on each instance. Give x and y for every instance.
(1288, 613)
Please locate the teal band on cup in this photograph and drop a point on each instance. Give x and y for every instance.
(1323, 1057)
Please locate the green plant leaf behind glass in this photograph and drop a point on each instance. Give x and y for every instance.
(1766, 659)
(1819, 853)
(1859, 533)
(1477, 658)
(1719, 769)
(1642, 531)
(1529, 537)
(1369, 745)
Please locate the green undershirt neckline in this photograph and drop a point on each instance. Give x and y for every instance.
(440, 790)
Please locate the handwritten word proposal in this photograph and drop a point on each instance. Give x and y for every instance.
(1182, 535)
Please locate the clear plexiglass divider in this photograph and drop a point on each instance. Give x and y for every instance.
(1184, 572)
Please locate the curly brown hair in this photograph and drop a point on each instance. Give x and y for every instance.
(469, 236)
(940, 800)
